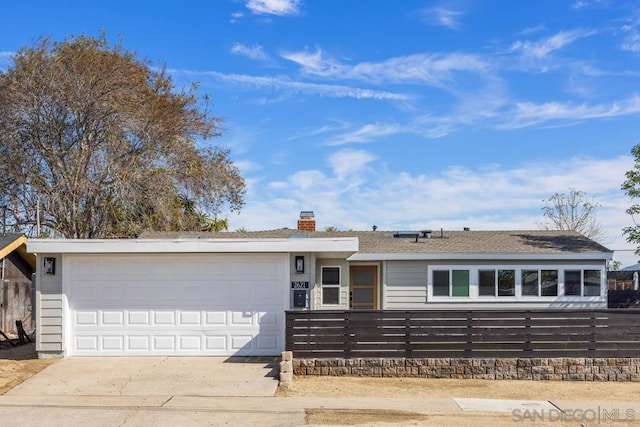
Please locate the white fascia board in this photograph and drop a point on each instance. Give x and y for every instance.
(591, 256)
(347, 245)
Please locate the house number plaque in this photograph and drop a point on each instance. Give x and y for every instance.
(299, 285)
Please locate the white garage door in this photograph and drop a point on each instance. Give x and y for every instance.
(177, 305)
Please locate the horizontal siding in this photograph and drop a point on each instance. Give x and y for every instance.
(50, 308)
(51, 312)
(50, 303)
(406, 285)
(51, 330)
(51, 339)
(45, 346)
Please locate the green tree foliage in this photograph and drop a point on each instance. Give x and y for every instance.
(631, 186)
(106, 145)
(572, 211)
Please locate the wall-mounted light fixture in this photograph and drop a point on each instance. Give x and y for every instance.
(50, 265)
(299, 264)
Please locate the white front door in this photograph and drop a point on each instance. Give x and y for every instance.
(187, 304)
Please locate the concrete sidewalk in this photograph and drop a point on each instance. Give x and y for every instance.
(203, 410)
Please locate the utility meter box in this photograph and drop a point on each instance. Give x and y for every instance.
(300, 295)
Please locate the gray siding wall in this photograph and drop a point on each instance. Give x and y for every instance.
(405, 285)
(50, 308)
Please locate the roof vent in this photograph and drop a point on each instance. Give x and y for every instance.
(466, 229)
(406, 235)
(426, 234)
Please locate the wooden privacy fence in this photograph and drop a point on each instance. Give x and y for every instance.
(463, 333)
(15, 304)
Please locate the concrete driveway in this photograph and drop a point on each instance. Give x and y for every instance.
(154, 376)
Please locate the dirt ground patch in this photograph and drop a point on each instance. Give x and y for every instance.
(18, 364)
(324, 386)
(383, 418)
(360, 416)
(416, 388)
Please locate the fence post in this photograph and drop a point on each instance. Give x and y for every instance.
(468, 352)
(348, 340)
(528, 352)
(593, 344)
(408, 347)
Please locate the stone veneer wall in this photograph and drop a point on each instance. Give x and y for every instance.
(559, 369)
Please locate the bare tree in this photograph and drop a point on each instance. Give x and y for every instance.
(103, 145)
(572, 211)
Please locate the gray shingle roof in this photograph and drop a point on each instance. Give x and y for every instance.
(7, 239)
(454, 242)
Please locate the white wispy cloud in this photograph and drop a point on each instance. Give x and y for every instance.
(488, 112)
(581, 4)
(366, 133)
(236, 16)
(274, 7)
(631, 41)
(339, 126)
(532, 30)
(542, 48)
(436, 70)
(346, 163)
(441, 16)
(528, 114)
(285, 83)
(252, 52)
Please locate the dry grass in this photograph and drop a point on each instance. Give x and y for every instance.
(18, 364)
(325, 386)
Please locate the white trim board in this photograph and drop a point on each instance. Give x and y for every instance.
(346, 245)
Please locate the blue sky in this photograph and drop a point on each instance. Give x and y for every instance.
(403, 114)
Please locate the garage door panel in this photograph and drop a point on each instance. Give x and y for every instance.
(190, 343)
(164, 343)
(212, 304)
(138, 318)
(112, 343)
(86, 343)
(112, 318)
(215, 318)
(189, 318)
(86, 318)
(269, 318)
(241, 318)
(164, 318)
(139, 343)
(267, 342)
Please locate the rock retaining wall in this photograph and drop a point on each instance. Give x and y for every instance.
(558, 369)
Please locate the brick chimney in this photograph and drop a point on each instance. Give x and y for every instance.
(306, 222)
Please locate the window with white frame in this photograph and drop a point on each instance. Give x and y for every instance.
(330, 285)
(450, 283)
(582, 283)
(496, 282)
(539, 283)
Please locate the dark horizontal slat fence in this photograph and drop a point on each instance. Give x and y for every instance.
(463, 333)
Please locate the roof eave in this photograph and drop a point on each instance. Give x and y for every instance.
(587, 256)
